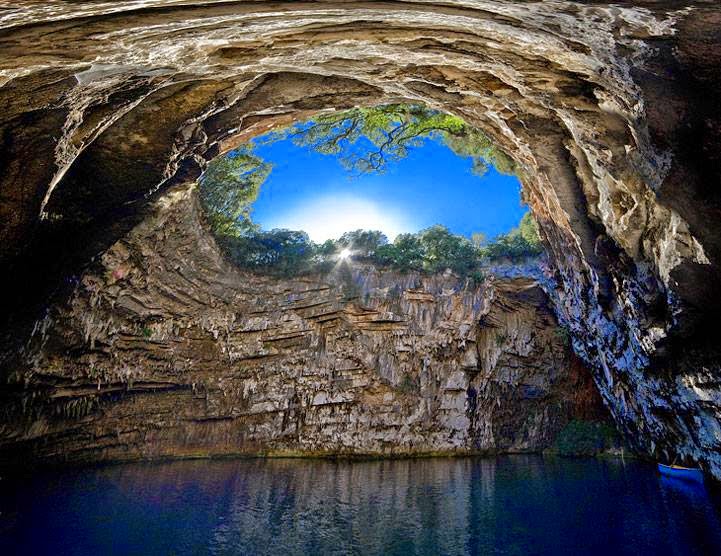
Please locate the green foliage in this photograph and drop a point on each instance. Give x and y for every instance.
(432, 250)
(519, 243)
(435, 249)
(326, 249)
(442, 250)
(279, 252)
(510, 246)
(585, 438)
(477, 277)
(229, 187)
(404, 254)
(368, 139)
(474, 144)
(362, 243)
(365, 140)
(528, 230)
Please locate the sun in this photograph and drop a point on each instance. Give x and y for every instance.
(329, 217)
(344, 254)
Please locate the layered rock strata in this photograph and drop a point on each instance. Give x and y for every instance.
(608, 108)
(166, 350)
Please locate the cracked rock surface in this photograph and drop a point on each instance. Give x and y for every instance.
(166, 350)
(609, 109)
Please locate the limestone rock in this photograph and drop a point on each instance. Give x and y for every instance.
(610, 110)
(166, 350)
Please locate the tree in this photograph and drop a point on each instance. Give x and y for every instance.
(363, 243)
(528, 229)
(435, 249)
(521, 242)
(368, 139)
(229, 187)
(365, 140)
(442, 250)
(278, 251)
(479, 239)
(473, 143)
(404, 254)
(326, 249)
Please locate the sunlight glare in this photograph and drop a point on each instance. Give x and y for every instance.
(330, 217)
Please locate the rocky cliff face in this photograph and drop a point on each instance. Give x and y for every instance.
(165, 350)
(609, 109)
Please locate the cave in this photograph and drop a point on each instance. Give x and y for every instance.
(120, 314)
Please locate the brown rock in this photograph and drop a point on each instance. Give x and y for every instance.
(610, 110)
(181, 354)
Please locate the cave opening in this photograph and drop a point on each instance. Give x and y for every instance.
(137, 324)
(397, 185)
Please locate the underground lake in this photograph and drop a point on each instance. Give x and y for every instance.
(515, 505)
(349, 277)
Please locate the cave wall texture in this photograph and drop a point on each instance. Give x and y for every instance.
(611, 111)
(164, 349)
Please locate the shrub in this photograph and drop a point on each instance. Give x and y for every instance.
(404, 254)
(520, 243)
(281, 252)
(477, 277)
(512, 246)
(363, 243)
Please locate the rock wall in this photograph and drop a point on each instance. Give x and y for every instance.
(166, 350)
(609, 109)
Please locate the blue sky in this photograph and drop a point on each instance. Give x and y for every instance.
(313, 192)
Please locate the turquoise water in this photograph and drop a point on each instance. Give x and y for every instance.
(510, 505)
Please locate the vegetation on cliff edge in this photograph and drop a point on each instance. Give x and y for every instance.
(435, 249)
(364, 140)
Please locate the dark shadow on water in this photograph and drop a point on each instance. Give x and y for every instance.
(508, 505)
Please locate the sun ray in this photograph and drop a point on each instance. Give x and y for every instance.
(329, 217)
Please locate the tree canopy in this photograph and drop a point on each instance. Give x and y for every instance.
(363, 243)
(523, 241)
(281, 252)
(368, 139)
(435, 249)
(229, 187)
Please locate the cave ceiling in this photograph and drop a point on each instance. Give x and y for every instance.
(608, 109)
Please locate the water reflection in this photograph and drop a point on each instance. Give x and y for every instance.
(511, 505)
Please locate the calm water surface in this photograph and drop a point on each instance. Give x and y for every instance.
(510, 505)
